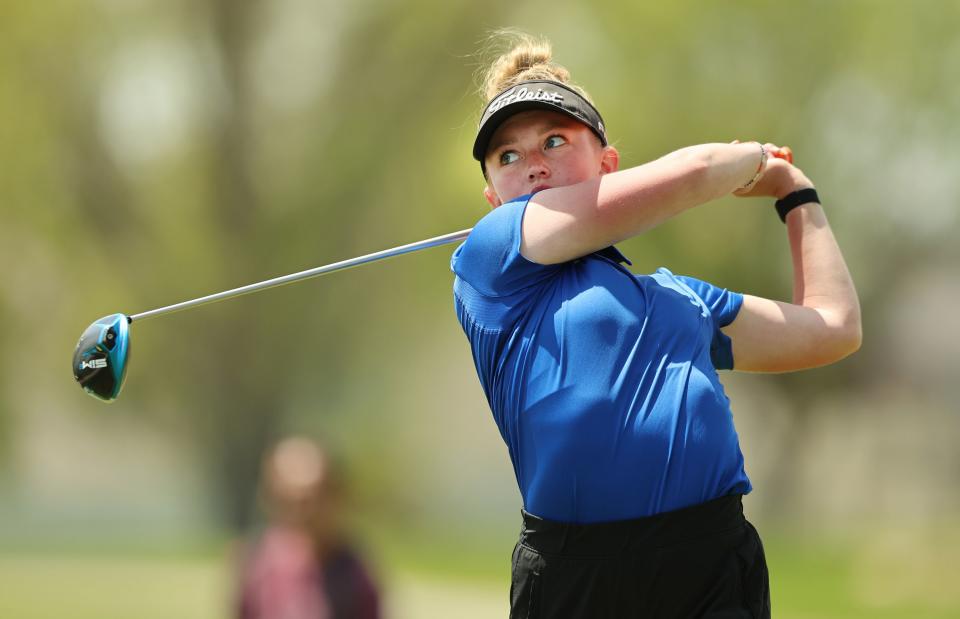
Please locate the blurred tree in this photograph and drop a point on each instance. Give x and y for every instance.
(291, 158)
(242, 409)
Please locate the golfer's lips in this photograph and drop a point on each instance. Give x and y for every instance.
(539, 188)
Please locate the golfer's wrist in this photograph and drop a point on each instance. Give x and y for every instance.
(755, 161)
(795, 183)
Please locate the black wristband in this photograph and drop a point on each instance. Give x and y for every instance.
(792, 200)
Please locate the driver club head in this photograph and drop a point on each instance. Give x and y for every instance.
(100, 360)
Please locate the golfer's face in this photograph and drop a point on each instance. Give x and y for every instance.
(537, 150)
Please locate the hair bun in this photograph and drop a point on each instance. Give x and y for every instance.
(529, 58)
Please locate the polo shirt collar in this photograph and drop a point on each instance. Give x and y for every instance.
(612, 253)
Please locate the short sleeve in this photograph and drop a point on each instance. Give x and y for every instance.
(490, 260)
(724, 306)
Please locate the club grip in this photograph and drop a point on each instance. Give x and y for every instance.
(784, 152)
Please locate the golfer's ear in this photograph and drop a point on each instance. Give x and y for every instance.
(610, 160)
(491, 197)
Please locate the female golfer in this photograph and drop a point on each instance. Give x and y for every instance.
(604, 383)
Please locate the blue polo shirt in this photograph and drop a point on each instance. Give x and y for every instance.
(603, 383)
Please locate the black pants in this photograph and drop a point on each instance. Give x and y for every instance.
(701, 561)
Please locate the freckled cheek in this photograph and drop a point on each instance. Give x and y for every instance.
(509, 183)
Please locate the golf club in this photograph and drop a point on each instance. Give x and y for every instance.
(100, 359)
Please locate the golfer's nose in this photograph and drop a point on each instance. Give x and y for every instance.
(537, 167)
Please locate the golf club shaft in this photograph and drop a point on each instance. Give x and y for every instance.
(295, 277)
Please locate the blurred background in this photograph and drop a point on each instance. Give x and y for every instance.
(152, 152)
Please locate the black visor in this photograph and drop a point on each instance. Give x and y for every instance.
(531, 95)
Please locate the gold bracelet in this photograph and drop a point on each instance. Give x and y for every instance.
(756, 177)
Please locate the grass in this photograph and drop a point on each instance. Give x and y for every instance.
(882, 579)
(105, 587)
(879, 576)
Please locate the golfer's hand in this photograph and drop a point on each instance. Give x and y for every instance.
(778, 179)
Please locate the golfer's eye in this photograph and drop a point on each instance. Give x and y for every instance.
(508, 156)
(554, 141)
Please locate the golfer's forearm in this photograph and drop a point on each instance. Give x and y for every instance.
(727, 168)
(640, 198)
(821, 279)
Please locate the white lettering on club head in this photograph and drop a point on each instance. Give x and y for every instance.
(93, 364)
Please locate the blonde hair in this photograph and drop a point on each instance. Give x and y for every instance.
(520, 57)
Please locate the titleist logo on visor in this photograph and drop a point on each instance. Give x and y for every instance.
(523, 93)
(530, 95)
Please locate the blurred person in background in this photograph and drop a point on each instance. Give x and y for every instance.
(604, 383)
(301, 566)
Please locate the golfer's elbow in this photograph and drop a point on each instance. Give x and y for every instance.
(853, 334)
(852, 324)
(845, 335)
(849, 342)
